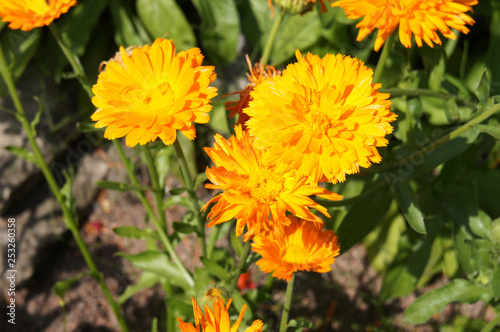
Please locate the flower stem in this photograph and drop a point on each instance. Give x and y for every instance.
(73, 60)
(286, 307)
(188, 182)
(383, 57)
(159, 194)
(241, 265)
(164, 239)
(272, 36)
(70, 219)
(492, 324)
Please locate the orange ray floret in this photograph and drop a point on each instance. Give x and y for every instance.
(303, 246)
(258, 74)
(217, 319)
(323, 116)
(153, 93)
(256, 192)
(29, 14)
(422, 18)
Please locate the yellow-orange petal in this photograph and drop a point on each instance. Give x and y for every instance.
(153, 92)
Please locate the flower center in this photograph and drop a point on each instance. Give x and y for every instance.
(318, 119)
(296, 253)
(157, 101)
(265, 185)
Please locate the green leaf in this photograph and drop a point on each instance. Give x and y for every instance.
(434, 301)
(184, 228)
(164, 158)
(408, 203)
(120, 186)
(177, 200)
(133, 232)
(357, 223)
(19, 48)
(128, 29)
(158, 263)
(22, 153)
(177, 191)
(38, 114)
(489, 129)
(214, 268)
(76, 26)
(495, 229)
(61, 287)
(154, 325)
(438, 69)
(87, 127)
(164, 18)
(480, 225)
(220, 29)
(483, 91)
(236, 242)
(146, 280)
(495, 282)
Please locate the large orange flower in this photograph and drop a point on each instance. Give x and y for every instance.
(422, 18)
(153, 93)
(29, 14)
(257, 192)
(258, 74)
(217, 320)
(323, 116)
(302, 247)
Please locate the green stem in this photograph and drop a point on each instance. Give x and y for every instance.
(272, 36)
(426, 93)
(241, 265)
(286, 307)
(149, 210)
(69, 217)
(383, 57)
(189, 183)
(211, 240)
(491, 325)
(157, 190)
(73, 60)
(352, 200)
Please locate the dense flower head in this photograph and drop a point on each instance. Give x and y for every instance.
(217, 319)
(29, 14)
(303, 246)
(256, 191)
(258, 74)
(153, 93)
(422, 18)
(323, 116)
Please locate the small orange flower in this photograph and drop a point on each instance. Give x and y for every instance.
(302, 247)
(153, 93)
(323, 116)
(256, 192)
(257, 75)
(217, 320)
(29, 14)
(422, 18)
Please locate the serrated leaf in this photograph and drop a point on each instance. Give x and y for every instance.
(146, 280)
(408, 203)
(133, 232)
(160, 264)
(165, 19)
(214, 268)
(220, 29)
(120, 186)
(434, 301)
(22, 153)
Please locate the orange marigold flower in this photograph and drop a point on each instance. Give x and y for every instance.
(323, 116)
(29, 14)
(302, 247)
(152, 93)
(256, 192)
(217, 319)
(257, 75)
(421, 18)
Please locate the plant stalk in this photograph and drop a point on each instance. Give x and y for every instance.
(272, 36)
(383, 57)
(241, 265)
(286, 307)
(157, 190)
